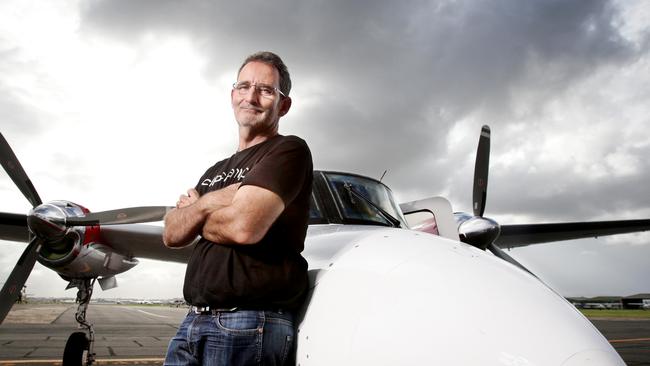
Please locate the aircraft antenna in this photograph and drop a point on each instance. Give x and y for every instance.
(382, 176)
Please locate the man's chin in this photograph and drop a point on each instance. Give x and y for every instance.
(247, 120)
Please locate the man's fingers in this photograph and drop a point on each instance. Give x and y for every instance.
(186, 200)
(192, 195)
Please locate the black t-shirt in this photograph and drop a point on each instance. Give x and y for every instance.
(271, 273)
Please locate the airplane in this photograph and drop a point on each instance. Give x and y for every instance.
(388, 282)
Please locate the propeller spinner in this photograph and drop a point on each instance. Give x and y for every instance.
(50, 222)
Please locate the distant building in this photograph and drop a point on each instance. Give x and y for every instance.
(600, 302)
(638, 301)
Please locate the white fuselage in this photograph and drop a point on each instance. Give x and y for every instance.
(384, 296)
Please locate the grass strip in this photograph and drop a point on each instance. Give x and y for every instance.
(613, 313)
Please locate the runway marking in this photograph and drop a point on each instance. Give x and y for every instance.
(629, 340)
(152, 314)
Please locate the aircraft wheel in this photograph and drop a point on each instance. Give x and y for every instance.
(76, 350)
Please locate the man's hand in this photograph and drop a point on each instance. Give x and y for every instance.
(186, 200)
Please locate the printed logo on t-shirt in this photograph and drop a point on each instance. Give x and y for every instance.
(224, 177)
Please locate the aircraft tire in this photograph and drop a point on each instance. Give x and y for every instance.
(76, 350)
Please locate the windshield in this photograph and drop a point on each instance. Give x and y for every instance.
(354, 209)
(315, 211)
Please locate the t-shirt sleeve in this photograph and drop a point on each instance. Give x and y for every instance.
(283, 170)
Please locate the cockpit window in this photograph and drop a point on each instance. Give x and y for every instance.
(315, 211)
(357, 210)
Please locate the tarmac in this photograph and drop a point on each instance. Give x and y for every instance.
(630, 338)
(139, 334)
(124, 334)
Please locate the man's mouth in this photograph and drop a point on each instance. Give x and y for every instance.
(251, 108)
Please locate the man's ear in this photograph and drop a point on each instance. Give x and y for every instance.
(285, 105)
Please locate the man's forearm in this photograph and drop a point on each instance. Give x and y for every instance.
(183, 225)
(246, 220)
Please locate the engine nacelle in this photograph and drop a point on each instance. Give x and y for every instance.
(90, 261)
(74, 252)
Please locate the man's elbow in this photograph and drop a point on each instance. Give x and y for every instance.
(237, 234)
(168, 240)
(247, 237)
(249, 231)
(172, 241)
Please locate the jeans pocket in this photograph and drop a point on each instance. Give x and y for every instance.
(287, 352)
(240, 323)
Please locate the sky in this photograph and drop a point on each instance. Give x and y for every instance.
(125, 103)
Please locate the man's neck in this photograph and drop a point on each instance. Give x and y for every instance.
(248, 139)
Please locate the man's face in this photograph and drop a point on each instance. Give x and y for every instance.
(252, 109)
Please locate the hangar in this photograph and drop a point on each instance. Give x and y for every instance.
(638, 301)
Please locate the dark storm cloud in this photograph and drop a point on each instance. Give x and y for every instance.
(562, 195)
(396, 76)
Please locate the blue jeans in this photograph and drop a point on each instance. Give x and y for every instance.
(243, 337)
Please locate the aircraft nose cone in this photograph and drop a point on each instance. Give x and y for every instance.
(399, 297)
(592, 357)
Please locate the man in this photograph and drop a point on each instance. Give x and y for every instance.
(246, 276)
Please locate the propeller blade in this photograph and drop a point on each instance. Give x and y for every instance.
(17, 173)
(481, 172)
(18, 277)
(132, 215)
(13, 227)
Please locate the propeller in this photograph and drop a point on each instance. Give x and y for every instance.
(481, 231)
(17, 173)
(47, 228)
(18, 277)
(477, 230)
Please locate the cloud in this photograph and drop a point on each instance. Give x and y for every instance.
(588, 267)
(392, 80)
(16, 113)
(403, 87)
(388, 85)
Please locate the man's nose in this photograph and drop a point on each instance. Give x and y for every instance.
(252, 95)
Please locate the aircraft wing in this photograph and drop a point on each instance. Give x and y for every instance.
(513, 236)
(142, 241)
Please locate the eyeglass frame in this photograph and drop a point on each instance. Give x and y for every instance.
(256, 86)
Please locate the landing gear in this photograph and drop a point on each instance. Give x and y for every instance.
(79, 348)
(76, 350)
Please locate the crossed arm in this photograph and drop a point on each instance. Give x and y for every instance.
(231, 215)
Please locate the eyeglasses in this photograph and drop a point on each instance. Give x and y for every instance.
(266, 91)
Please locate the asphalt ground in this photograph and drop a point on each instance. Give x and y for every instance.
(138, 335)
(630, 338)
(124, 334)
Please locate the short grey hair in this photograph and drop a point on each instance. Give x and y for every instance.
(274, 60)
